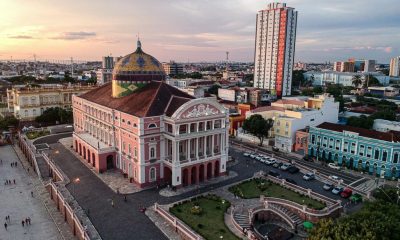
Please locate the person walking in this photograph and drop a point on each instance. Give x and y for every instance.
(112, 202)
(5, 226)
(14, 181)
(31, 194)
(23, 223)
(29, 220)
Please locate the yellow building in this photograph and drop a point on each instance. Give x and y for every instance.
(26, 103)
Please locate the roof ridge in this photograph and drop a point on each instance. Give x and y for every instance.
(152, 100)
(169, 102)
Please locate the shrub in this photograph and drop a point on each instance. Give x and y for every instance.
(196, 210)
(200, 225)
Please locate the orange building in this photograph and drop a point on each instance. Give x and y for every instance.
(301, 141)
(236, 120)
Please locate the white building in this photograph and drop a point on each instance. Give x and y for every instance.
(103, 76)
(344, 78)
(385, 125)
(395, 67)
(275, 48)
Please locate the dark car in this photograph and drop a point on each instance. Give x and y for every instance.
(289, 180)
(277, 165)
(307, 158)
(274, 174)
(275, 149)
(293, 170)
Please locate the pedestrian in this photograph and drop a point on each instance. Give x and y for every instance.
(29, 219)
(26, 221)
(5, 226)
(31, 194)
(112, 202)
(11, 164)
(125, 200)
(28, 169)
(118, 191)
(23, 223)
(16, 164)
(14, 181)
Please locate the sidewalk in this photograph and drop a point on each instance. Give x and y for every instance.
(16, 201)
(112, 178)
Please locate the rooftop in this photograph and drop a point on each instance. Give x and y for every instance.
(384, 136)
(154, 99)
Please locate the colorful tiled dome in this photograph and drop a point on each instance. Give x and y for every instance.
(134, 70)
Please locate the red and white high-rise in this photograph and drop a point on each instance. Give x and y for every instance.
(275, 48)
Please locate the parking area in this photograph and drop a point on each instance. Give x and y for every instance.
(315, 185)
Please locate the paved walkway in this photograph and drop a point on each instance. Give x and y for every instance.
(113, 178)
(17, 202)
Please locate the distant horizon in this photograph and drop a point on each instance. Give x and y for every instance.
(194, 31)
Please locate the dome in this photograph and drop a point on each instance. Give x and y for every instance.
(134, 70)
(137, 63)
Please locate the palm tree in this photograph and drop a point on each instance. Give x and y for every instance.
(357, 81)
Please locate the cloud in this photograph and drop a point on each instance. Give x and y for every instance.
(21, 37)
(74, 35)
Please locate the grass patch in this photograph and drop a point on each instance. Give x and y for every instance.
(205, 215)
(36, 134)
(255, 187)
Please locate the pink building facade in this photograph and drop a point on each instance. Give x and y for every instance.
(155, 135)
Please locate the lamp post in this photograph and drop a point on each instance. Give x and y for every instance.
(75, 181)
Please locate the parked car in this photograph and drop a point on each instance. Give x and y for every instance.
(347, 192)
(253, 155)
(285, 166)
(258, 158)
(293, 170)
(270, 161)
(327, 186)
(337, 190)
(275, 149)
(309, 176)
(334, 166)
(277, 164)
(274, 174)
(307, 158)
(246, 154)
(355, 198)
(335, 178)
(290, 180)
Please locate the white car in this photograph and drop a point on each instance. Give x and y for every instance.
(270, 161)
(334, 166)
(334, 178)
(258, 158)
(246, 154)
(285, 166)
(253, 155)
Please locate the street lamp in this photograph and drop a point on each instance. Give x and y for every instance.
(75, 181)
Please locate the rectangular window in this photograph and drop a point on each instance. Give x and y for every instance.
(345, 146)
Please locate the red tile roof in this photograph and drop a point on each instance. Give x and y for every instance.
(154, 99)
(385, 136)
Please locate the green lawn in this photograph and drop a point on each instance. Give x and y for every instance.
(36, 134)
(256, 187)
(210, 221)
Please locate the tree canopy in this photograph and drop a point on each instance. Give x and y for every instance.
(258, 126)
(356, 80)
(53, 115)
(8, 121)
(376, 220)
(214, 89)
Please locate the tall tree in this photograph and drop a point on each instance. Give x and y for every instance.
(258, 126)
(356, 80)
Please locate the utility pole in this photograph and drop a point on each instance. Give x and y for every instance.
(72, 67)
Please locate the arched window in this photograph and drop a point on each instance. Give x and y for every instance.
(395, 157)
(152, 153)
(384, 155)
(376, 155)
(152, 125)
(152, 174)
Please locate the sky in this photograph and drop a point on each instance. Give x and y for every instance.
(193, 30)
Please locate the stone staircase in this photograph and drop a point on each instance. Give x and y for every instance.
(295, 219)
(242, 220)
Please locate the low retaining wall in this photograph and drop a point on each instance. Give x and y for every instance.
(60, 195)
(184, 231)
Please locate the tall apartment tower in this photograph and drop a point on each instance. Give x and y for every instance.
(274, 48)
(395, 67)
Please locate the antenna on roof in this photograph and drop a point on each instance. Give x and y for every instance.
(139, 44)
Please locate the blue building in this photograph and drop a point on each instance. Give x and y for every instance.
(362, 149)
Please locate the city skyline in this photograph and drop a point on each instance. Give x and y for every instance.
(195, 30)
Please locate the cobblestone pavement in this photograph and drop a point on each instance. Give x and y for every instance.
(112, 178)
(17, 202)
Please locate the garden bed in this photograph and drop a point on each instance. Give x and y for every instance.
(255, 187)
(36, 134)
(205, 215)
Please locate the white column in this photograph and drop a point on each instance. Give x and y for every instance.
(212, 143)
(173, 151)
(188, 149)
(205, 146)
(197, 148)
